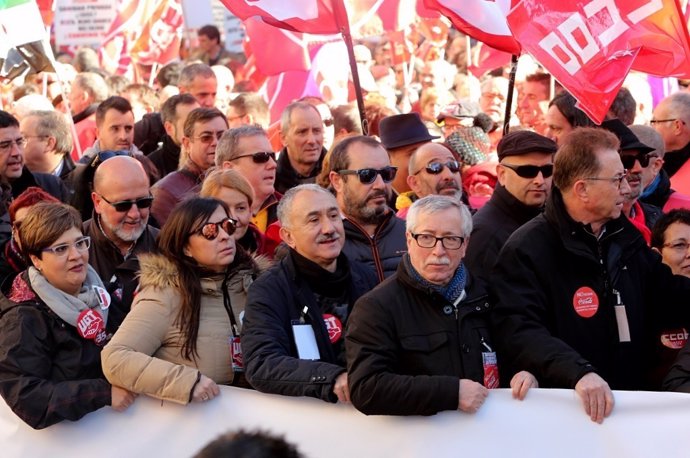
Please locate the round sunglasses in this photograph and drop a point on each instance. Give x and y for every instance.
(211, 231)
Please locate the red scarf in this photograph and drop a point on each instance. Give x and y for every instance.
(639, 222)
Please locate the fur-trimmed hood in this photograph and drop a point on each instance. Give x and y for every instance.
(158, 271)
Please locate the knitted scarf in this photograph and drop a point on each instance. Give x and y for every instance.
(451, 291)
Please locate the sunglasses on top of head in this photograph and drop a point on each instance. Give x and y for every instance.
(211, 231)
(368, 176)
(531, 171)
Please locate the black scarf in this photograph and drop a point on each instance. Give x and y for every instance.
(321, 281)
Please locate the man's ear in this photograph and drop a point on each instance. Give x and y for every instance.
(336, 181)
(97, 202)
(413, 183)
(287, 237)
(580, 190)
(501, 174)
(169, 128)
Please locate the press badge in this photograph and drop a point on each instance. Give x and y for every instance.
(236, 354)
(490, 363)
(305, 341)
(621, 319)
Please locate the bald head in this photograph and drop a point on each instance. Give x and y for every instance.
(120, 169)
(433, 169)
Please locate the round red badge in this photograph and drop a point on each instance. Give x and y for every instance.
(585, 302)
(333, 326)
(674, 339)
(90, 324)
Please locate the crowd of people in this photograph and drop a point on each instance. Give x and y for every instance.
(166, 240)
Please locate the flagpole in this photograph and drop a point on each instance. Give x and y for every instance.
(509, 96)
(341, 18)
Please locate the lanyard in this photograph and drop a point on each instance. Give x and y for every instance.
(228, 307)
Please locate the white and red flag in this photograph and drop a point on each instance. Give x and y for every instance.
(484, 20)
(308, 16)
(589, 46)
(161, 33)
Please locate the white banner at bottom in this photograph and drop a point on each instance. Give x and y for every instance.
(548, 423)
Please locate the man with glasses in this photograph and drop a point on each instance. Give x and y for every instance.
(248, 150)
(420, 342)
(670, 119)
(524, 182)
(48, 143)
(361, 175)
(202, 131)
(432, 170)
(301, 131)
(296, 312)
(119, 229)
(15, 177)
(636, 158)
(580, 297)
(248, 108)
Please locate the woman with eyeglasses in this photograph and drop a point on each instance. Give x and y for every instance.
(53, 324)
(233, 189)
(181, 338)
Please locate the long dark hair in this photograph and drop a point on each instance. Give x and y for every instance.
(185, 219)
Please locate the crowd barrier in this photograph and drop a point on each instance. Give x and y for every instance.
(547, 423)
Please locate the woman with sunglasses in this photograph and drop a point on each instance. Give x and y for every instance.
(181, 337)
(233, 189)
(54, 323)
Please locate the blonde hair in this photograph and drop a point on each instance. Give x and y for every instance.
(226, 178)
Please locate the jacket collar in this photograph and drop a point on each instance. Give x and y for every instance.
(509, 205)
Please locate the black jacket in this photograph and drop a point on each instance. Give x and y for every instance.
(166, 157)
(557, 286)
(48, 373)
(275, 300)
(408, 347)
(287, 177)
(118, 273)
(383, 251)
(492, 225)
(149, 132)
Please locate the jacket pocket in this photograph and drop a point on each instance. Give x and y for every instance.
(426, 343)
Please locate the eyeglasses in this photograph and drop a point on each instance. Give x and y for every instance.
(81, 244)
(7, 144)
(628, 160)
(449, 242)
(103, 156)
(211, 231)
(208, 137)
(434, 168)
(260, 157)
(368, 176)
(123, 206)
(531, 171)
(657, 121)
(678, 246)
(618, 179)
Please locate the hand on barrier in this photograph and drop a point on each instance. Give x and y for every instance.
(205, 390)
(521, 383)
(472, 395)
(596, 396)
(121, 398)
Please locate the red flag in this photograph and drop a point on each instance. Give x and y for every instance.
(400, 47)
(589, 47)
(484, 20)
(308, 16)
(159, 40)
(487, 59)
(276, 50)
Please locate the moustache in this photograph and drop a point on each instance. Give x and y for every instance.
(324, 238)
(377, 194)
(443, 261)
(447, 185)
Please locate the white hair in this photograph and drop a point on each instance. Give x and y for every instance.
(434, 204)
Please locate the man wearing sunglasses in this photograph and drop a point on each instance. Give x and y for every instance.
(248, 150)
(636, 157)
(361, 175)
(432, 170)
(119, 229)
(202, 131)
(524, 182)
(581, 299)
(301, 132)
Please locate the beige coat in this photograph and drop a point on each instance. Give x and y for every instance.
(144, 355)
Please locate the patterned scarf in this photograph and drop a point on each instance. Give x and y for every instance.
(451, 291)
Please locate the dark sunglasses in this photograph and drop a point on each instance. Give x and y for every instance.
(123, 206)
(208, 137)
(434, 168)
(531, 171)
(368, 176)
(260, 157)
(211, 231)
(628, 160)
